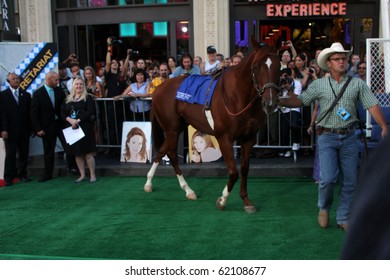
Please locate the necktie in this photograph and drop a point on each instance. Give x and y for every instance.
(51, 94)
(16, 95)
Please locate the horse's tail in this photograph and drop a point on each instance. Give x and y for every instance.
(157, 132)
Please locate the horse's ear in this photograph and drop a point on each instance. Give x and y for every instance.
(255, 44)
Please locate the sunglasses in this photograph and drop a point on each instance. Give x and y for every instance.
(338, 59)
(362, 68)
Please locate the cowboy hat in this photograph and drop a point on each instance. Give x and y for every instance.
(326, 53)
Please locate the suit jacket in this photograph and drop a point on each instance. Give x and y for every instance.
(43, 115)
(15, 118)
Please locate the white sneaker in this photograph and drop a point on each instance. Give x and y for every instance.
(296, 146)
(287, 154)
(165, 159)
(281, 154)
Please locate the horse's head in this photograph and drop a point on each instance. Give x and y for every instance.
(265, 75)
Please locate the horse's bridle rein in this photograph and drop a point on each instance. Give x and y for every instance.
(259, 90)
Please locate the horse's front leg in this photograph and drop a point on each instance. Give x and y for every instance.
(148, 187)
(246, 149)
(227, 152)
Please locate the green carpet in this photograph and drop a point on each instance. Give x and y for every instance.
(115, 219)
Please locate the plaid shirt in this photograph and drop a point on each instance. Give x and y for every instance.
(321, 90)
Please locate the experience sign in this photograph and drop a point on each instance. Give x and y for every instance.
(306, 9)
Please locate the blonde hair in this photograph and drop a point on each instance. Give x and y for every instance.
(90, 68)
(70, 97)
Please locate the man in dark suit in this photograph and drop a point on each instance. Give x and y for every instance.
(46, 119)
(15, 129)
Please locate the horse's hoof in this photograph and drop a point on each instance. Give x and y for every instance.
(250, 209)
(192, 196)
(219, 204)
(148, 188)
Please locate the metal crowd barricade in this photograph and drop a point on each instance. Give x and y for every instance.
(306, 140)
(110, 115)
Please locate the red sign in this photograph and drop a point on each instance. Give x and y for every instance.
(303, 10)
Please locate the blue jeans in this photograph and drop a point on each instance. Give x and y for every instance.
(339, 158)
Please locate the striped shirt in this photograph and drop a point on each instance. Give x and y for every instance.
(321, 90)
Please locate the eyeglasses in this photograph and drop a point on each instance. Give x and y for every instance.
(362, 68)
(339, 59)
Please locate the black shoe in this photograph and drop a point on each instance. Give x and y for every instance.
(74, 171)
(8, 183)
(79, 180)
(25, 179)
(44, 179)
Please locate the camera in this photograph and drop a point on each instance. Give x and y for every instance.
(115, 41)
(285, 80)
(285, 43)
(312, 70)
(131, 52)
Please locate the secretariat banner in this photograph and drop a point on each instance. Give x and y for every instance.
(39, 62)
(31, 61)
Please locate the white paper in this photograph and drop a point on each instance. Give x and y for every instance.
(73, 135)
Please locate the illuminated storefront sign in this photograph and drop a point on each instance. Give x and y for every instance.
(296, 8)
(312, 9)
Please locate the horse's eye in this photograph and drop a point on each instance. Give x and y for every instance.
(256, 68)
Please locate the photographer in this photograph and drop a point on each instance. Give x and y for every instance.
(115, 86)
(129, 66)
(288, 53)
(71, 60)
(290, 118)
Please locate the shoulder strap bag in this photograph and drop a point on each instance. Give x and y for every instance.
(336, 100)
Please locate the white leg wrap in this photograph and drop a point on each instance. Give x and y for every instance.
(225, 196)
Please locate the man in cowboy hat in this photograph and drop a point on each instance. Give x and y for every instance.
(338, 148)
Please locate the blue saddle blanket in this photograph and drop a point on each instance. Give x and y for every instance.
(194, 89)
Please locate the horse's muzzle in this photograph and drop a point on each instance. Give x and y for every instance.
(270, 105)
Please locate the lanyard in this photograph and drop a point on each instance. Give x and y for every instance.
(332, 88)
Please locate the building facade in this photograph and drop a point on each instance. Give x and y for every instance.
(162, 28)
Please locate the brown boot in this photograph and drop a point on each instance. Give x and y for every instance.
(344, 227)
(323, 218)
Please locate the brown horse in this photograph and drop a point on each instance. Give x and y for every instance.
(242, 97)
